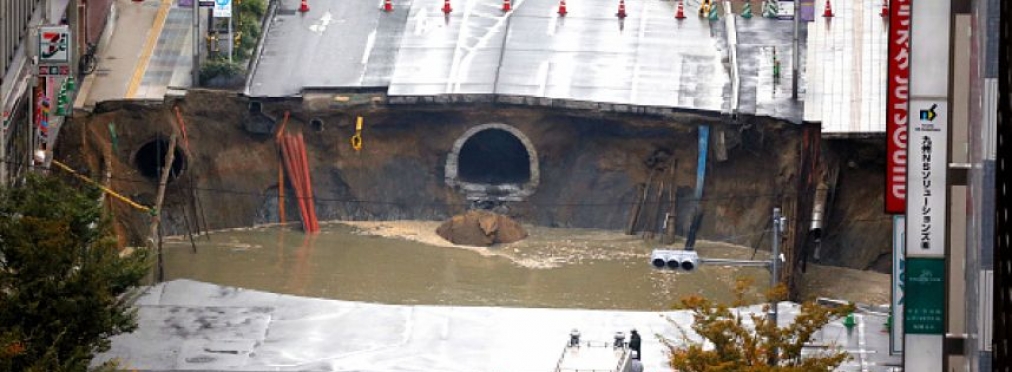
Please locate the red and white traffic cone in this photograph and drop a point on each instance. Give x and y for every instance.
(446, 7)
(680, 13)
(828, 13)
(885, 8)
(506, 6)
(304, 6)
(562, 8)
(621, 9)
(388, 6)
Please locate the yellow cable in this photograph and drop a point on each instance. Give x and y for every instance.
(107, 190)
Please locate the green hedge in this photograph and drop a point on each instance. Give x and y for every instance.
(220, 68)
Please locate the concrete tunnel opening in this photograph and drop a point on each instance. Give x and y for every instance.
(150, 159)
(494, 156)
(493, 163)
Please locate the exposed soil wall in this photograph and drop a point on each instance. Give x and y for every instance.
(590, 165)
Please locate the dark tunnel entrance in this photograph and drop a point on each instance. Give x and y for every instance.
(150, 158)
(494, 156)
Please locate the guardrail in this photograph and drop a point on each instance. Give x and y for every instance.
(622, 360)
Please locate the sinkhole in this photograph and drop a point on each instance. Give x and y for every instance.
(150, 158)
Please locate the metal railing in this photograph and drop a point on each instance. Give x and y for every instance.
(622, 360)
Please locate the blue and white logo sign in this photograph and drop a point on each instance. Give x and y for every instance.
(223, 8)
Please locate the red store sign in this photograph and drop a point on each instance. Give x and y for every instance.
(897, 95)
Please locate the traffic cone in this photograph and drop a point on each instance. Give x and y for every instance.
(506, 5)
(446, 7)
(680, 13)
(621, 9)
(304, 6)
(562, 8)
(388, 6)
(885, 8)
(746, 12)
(828, 13)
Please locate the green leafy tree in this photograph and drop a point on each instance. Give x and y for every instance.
(734, 346)
(61, 278)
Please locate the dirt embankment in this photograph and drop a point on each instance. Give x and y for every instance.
(589, 164)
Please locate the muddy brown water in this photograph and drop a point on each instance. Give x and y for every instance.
(570, 268)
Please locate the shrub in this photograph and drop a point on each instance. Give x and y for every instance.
(763, 347)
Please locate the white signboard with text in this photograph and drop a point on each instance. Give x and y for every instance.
(223, 8)
(927, 153)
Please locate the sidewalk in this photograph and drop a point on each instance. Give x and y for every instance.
(149, 51)
(189, 325)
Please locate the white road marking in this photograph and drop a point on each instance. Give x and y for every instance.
(368, 46)
(553, 22)
(320, 27)
(543, 77)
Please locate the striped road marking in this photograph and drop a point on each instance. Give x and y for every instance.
(149, 48)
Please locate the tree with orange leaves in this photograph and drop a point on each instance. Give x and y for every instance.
(732, 345)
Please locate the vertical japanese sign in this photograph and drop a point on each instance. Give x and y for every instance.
(928, 139)
(899, 263)
(897, 94)
(927, 159)
(222, 8)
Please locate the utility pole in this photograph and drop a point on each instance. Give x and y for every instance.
(774, 261)
(796, 57)
(195, 71)
(3, 153)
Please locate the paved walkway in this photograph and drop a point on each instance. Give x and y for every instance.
(150, 50)
(188, 325)
(847, 69)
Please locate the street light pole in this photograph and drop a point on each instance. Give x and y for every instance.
(662, 258)
(774, 266)
(796, 57)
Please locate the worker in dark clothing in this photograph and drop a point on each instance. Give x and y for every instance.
(634, 343)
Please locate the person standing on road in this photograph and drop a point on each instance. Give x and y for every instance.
(634, 343)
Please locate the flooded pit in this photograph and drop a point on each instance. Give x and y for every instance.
(571, 268)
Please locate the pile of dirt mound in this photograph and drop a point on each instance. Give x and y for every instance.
(481, 228)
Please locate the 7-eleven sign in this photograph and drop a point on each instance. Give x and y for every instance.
(54, 45)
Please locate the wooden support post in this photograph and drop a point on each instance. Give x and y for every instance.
(652, 210)
(634, 211)
(671, 218)
(156, 211)
(638, 207)
(189, 232)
